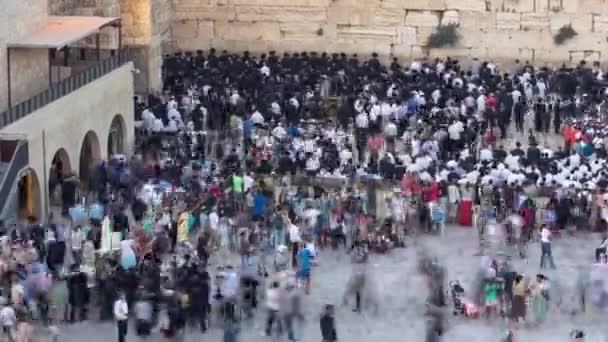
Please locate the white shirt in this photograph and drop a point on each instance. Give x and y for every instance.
(247, 182)
(121, 310)
(390, 130)
(214, 219)
(481, 103)
(158, 125)
(516, 94)
(265, 70)
(279, 132)
(148, 118)
(545, 235)
(257, 118)
(361, 121)
(171, 105)
(273, 299)
(8, 318)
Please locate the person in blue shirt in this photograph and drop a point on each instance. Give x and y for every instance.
(304, 263)
(259, 206)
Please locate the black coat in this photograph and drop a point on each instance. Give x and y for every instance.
(78, 293)
(328, 328)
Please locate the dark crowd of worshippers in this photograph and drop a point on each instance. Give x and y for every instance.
(225, 163)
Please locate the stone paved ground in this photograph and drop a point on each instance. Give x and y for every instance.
(401, 292)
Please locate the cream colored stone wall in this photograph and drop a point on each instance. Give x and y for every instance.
(497, 29)
(67, 121)
(29, 69)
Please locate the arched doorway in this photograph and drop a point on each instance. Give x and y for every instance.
(116, 136)
(90, 153)
(28, 201)
(61, 166)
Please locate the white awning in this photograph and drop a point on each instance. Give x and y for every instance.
(62, 31)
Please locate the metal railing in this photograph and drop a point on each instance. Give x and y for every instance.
(65, 87)
(19, 160)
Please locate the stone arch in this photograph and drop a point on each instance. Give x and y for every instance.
(29, 200)
(61, 158)
(117, 136)
(90, 153)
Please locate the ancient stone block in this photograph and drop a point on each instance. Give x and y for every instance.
(357, 16)
(192, 29)
(519, 6)
(558, 20)
(205, 13)
(593, 6)
(247, 31)
(450, 17)
(471, 37)
(508, 21)
(407, 35)
(477, 21)
(422, 5)
(600, 23)
(419, 51)
(589, 56)
(385, 34)
(466, 5)
(422, 35)
(534, 21)
(388, 17)
(455, 52)
(302, 31)
(582, 23)
(422, 18)
(319, 3)
(280, 14)
(570, 6)
(401, 51)
(542, 6)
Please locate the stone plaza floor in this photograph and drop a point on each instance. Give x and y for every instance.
(401, 291)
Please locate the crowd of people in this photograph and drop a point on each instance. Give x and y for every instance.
(272, 158)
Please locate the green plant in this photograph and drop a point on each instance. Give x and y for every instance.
(565, 32)
(444, 35)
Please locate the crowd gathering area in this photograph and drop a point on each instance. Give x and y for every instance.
(330, 197)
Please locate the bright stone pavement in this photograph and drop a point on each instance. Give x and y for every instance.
(402, 293)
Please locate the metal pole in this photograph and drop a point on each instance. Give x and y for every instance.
(50, 67)
(97, 44)
(45, 184)
(119, 36)
(8, 75)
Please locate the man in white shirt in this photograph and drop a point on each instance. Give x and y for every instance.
(247, 182)
(214, 220)
(257, 118)
(158, 125)
(121, 314)
(545, 244)
(148, 119)
(279, 132)
(361, 121)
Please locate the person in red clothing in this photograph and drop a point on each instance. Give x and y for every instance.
(433, 191)
(492, 103)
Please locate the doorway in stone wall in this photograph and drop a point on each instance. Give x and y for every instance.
(90, 154)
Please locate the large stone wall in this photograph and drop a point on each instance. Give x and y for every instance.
(497, 29)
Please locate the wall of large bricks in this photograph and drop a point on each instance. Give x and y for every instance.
(497, 29)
